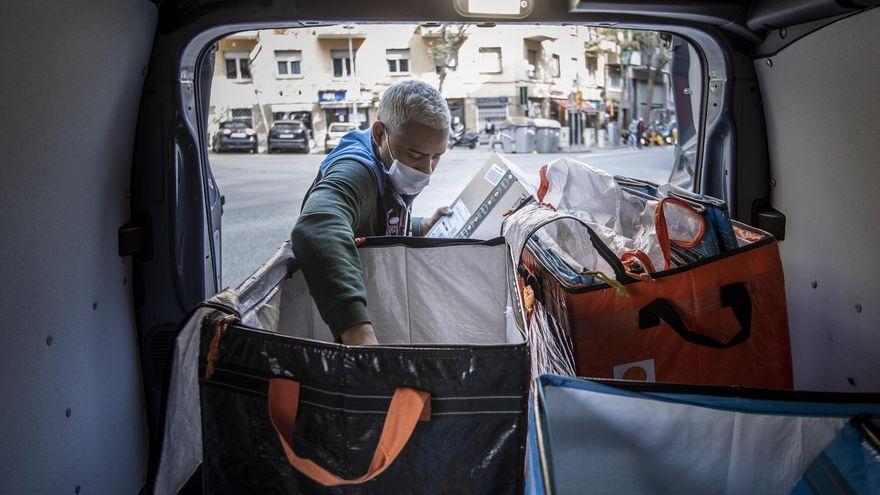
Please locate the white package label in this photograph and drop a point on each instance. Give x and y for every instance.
(447, 227)
(494, 175)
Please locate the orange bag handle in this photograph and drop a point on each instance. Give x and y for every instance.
(408, 406)
(544, 185)
(663, 231)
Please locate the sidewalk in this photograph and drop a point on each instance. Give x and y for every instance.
(580, 148)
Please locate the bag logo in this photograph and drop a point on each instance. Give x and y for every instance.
(642, 371)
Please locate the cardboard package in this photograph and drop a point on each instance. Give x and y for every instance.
(477, 213)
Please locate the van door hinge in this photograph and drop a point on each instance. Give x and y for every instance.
(134, 238)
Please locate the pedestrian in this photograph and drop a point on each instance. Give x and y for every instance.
(492, 132)
(366, 187)
(640, 131)
(633, 131)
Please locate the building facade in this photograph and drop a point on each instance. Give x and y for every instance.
(327, 74)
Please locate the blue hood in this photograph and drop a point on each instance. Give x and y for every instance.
(358, 146)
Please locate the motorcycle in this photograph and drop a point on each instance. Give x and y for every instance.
(655, 135)
(461, 138)
(670, 133)
(666, 134)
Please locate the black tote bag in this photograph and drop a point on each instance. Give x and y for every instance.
(285, 414)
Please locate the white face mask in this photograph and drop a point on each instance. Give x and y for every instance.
(405, 179)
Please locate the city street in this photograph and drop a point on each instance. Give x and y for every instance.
(264, 192)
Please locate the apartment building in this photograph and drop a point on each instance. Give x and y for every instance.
(338, 73)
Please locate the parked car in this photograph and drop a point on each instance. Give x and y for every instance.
(335, 133)
(234, 136)
(288, 135)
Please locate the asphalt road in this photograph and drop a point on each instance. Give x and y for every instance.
(264, 192)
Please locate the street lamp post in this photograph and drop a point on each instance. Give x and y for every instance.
(351, 70)
(257, 93)
(574, 103)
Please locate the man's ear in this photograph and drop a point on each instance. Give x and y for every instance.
(377, 130)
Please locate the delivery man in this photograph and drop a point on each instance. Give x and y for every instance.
(365, 187)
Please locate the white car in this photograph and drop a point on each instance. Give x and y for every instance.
(335, 133)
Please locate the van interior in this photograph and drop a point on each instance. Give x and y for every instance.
(112, 218)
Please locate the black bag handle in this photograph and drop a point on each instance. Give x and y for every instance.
(735, 296)
(603, 250)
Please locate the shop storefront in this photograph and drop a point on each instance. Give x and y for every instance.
(337, 108)
(294, 111)
(576, 118)
(494, 110)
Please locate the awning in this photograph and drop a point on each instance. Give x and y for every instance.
(586, 107)
(339, 33)
(335, 104)
(361, 104)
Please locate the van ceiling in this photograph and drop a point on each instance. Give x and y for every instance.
(749, 20)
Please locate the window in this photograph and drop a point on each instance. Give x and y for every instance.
(288, 126)
(489, 60)
(341, 128)
(592, 63)
(341, 63)
(532, 58)
(614, 80)
(245, 115)
(238, 65)
(233, 125)
(289, 62)
(398, 61)
(308, 75)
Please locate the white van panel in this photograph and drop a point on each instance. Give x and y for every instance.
(69, 371)
(822, 104)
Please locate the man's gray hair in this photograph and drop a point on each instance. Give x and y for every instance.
(413, 101)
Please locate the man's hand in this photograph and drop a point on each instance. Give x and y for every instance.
(361, 334)
(444, 211)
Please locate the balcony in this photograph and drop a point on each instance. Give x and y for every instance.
(340, 33)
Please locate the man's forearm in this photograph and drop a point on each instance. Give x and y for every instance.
(323, 242)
